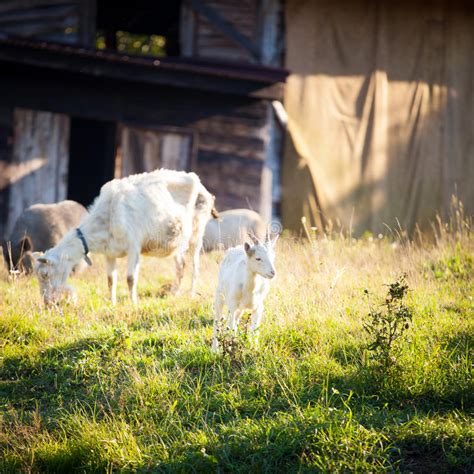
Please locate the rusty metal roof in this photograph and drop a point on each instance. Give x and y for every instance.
(223, 69)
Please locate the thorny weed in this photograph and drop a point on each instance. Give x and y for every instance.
(234, 345)
(388, 325)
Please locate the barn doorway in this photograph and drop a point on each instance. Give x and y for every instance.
(91, 158)
(142, 149)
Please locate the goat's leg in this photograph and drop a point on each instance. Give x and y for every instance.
(180, 263)
(111, 264)
(256, 320)
(133, 265)
(218, 317)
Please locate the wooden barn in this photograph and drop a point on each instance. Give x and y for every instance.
(78, 107)
(379, 102)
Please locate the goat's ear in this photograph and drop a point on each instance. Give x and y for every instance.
(26, 245)
(37, 255)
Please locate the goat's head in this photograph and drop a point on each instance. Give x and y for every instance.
(205, 204)
(52, 273)
(261, 257)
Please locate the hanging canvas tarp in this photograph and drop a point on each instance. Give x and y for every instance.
(381, 112)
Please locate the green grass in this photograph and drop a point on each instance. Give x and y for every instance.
(92, 388)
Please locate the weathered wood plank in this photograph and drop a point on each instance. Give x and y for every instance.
(242, 147)
(142, 149)
(40, 15)
(87, 22)
(38, 169)
(270, 26)
(64, 21)
(234, 182)
(214, 17)
(187, 30)
(213, 42)
(18, 5)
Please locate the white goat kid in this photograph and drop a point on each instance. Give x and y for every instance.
(244, 282)
(149, 213)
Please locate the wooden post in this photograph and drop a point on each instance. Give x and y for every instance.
(6, 141)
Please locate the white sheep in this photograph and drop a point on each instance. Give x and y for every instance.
(244, 282)
(149, 213)
(233, 227)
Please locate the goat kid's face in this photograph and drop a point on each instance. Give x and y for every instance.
(260, 259)
(52, 274)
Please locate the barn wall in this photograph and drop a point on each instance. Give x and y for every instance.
(37, 171)
(249, 31)
(231, 155)
(65, 21)
(231, 132)
(236, 30)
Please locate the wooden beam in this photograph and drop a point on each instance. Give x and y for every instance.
(121, 70)
(229, 30)
(87, 22)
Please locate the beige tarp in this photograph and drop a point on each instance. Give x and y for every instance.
(381, 111)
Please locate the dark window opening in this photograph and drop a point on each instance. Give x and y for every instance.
(142, 27)
(91, 158)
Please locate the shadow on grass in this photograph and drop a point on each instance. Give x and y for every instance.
(58, 377)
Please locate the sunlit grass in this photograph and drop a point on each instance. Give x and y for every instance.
(93, 388)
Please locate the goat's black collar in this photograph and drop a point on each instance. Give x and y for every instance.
(84, 244)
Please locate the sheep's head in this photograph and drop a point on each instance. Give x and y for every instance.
(52, 273)
(261, 257)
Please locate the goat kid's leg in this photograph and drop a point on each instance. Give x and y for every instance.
(234, 316)
(133, 265)
(180, 264)
(218, 317)
(196, 253)
(111, 264)
(256, 320)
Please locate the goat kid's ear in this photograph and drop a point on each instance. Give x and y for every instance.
(43, 259)
(248, 249)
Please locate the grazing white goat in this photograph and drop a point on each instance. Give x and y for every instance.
(149, 213)
(39, 227)
(244, 282)
(232, 228)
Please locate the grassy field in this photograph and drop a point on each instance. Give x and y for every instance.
(92, 388)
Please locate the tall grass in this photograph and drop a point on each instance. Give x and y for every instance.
(93, 388)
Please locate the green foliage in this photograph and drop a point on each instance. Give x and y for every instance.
(130, 43)
(387, 326)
